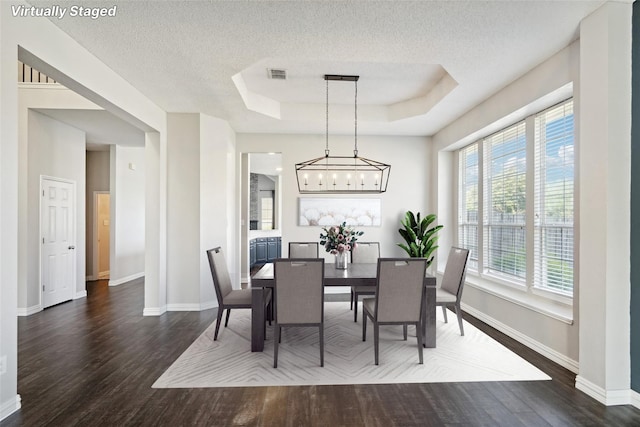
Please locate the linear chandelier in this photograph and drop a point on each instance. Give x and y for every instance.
(342, 174)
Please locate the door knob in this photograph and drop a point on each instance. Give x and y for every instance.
(72, 247)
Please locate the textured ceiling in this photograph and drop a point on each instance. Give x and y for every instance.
(183, 55)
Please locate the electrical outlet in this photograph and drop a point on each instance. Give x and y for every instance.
(3, 365)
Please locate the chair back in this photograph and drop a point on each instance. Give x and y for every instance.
(365, 252)
(455, 270)
(303, 250)
(299, 290)
(220, 273)
(399, 289)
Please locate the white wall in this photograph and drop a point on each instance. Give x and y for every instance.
(55, 150)
(527, 95)
(183, 213)
(127, 232)
(203, 211)
(32, 97)
(598, 66)
(409, 182)
(605, 163)
(218, 187)
(39, 42)
(97, 180)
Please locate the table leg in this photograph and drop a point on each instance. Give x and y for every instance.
(429, 317)
(257, 319)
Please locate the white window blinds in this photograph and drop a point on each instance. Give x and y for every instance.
(504, 202)
(554, 190)
(468, 162)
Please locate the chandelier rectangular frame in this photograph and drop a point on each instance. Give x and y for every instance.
(342, 174)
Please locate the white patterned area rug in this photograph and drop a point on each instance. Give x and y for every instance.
(228, 362)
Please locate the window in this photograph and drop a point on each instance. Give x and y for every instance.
(525, 177)
(266, 210)
(553, 220)
(468, 203)
(505, 173)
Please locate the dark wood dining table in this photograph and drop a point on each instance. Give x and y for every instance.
(354, 275)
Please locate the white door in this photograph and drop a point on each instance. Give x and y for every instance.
(58, 241)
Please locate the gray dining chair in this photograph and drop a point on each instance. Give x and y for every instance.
(228, 297)
(399, 299)
(299, 298)
(303, 250)
(449, 293)
(364, 252)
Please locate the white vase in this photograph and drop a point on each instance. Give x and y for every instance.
(341, 260)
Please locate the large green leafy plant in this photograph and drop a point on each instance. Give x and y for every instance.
(420, 236)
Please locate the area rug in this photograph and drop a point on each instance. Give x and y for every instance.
(228, 362)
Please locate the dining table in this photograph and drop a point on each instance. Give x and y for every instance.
(356, 274)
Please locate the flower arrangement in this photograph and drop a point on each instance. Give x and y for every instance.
(339, 238)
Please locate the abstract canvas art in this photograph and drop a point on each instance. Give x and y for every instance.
(333, 211)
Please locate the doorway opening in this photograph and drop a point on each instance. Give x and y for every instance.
(102, 227)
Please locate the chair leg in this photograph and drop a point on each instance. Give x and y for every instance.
(444, 313)
(376, 340)
(279, 328)
(419, 335)
(275, 346)
(321, 327)
(459, 314)
(215, 335)
(355, 308)
(351, 300)
(404, 331)
(364, 325)
(226, 322)
(269, 312)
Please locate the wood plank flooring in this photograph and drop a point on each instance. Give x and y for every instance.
(91, 362)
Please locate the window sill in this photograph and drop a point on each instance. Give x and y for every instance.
(559, 310)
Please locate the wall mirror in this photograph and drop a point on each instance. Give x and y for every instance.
(264, 183)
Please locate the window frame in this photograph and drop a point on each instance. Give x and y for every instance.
(486, 279)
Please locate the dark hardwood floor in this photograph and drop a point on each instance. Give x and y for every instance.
(91, 362)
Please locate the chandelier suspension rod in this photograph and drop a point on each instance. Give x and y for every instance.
(355, 109)
(326, 148)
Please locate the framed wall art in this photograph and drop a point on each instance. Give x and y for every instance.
(322, 211)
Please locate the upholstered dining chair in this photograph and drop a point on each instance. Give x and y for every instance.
(228, 297)
(303, 250)
(299, 297)
(399, 299)
(449, 293)
(364, 252)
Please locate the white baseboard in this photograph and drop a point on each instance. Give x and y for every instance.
(208, 305)
(125, 279)
(183, 307)
(28, 311)
(591, 390)
(635, 398)
(192, 307)
(10, 406)
(607, 397)
(154, 311)
(536, 346)
(81, 294)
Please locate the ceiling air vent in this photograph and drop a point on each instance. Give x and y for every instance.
(277, 74)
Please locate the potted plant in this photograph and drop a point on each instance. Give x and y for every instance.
(420, 236)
